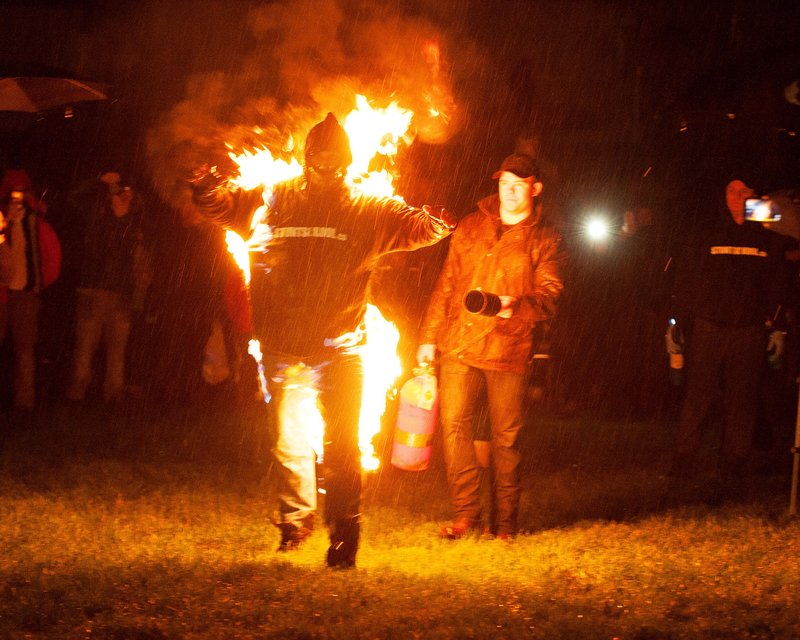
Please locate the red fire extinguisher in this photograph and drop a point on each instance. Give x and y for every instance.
(417, 415)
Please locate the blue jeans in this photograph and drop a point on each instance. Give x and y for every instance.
(460, 387)
(334, 385)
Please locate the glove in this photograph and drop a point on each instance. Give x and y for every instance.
(673, 338)
(206, 178)
(440, 213)
(426, 354)
(776, 345)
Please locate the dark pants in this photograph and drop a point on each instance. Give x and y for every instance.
(730, 360)
(334, 386)
(460, 388)
(107, 315)
(19, 316)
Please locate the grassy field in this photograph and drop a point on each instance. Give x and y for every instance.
(155, 526)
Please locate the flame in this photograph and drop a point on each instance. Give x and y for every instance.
(374, 131)
(381, 370)
(254, 349)
(300, 405)
(260, 168)
(237, 247)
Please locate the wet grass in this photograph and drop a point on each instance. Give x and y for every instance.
(158, 526)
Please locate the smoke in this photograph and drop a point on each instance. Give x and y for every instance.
(298, 60)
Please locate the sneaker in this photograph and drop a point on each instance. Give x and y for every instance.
(489, 535)
(459, 529)
(292, 536)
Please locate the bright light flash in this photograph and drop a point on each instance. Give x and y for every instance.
(597, 229)
(761, 212)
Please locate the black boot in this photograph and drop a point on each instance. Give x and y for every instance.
(344, 543)
(293, 535)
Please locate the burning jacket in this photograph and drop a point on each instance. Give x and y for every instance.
(523, 261)
(312, 258)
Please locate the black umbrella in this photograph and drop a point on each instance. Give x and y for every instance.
(33, 94)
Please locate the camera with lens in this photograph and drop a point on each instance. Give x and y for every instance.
(482, 302)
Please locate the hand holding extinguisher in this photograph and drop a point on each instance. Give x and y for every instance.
(426, 354)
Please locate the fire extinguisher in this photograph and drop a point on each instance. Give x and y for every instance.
(417, 415)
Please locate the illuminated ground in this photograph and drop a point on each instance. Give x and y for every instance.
(124, 527)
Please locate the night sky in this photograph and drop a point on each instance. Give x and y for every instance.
(599, 90)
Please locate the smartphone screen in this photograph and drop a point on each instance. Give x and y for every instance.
(760, 210)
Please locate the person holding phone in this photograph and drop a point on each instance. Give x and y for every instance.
(728, 291)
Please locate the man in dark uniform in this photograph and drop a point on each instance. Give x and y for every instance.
(728, 287)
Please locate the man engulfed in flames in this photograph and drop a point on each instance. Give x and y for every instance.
(317, 239)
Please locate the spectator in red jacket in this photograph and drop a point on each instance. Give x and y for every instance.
(30, 260)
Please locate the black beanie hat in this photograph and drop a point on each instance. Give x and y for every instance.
(329, 135)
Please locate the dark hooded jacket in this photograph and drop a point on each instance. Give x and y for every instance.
(524, 261)
(730, 274)
(112, 251)
(311, 256)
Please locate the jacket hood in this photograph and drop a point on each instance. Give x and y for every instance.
(15, 180)
(19, 180)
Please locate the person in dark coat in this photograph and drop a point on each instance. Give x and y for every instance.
(728, 289)
(316, 243)
(112, 279)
